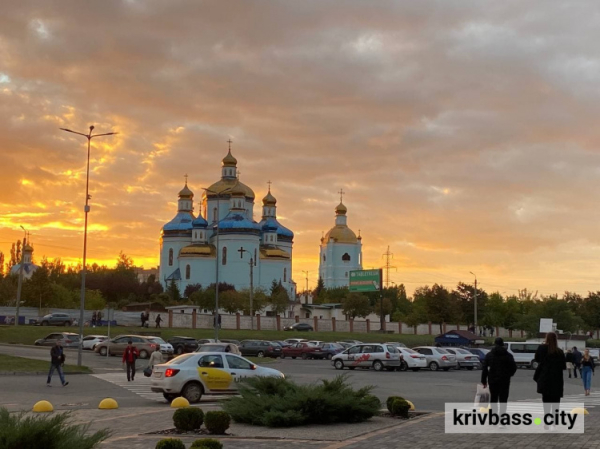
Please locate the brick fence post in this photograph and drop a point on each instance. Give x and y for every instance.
(497, 331)
(333, 323)
(278, 320)
(316, 323)
(510, 333)
(351, 325)
(237, 321)
(257, 321)
(399, 327)
(170, 318)
(415, 328)
(444, 327)
(297, 318)
(429, 327)
(521, 333)
(368, 326)
(194, 319)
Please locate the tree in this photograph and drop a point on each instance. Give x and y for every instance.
(279, 299)
(94, 300)
(440, 306)
(386, 308)
(465, 297)
(1, 264)
(591, 310)
(259, 300)
(355, 304)
(495, 311)
(173, 291)
(230, 301)
(191, 288)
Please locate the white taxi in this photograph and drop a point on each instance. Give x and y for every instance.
(198, 373)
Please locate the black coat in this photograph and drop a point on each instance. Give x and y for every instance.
(550, 371)
(569, 357)
(498, 367)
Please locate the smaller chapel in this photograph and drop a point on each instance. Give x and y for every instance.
(27, 260)
(225, 238)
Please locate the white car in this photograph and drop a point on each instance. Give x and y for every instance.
(165, 348)
(215, 373)
(412, 360)
(464, 358)
(293, 341)
(315, 342)
(90, 341)
(368, 355)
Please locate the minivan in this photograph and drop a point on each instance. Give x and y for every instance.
(523, 352)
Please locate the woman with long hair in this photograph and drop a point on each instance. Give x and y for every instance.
(549, 373)
(587, 369)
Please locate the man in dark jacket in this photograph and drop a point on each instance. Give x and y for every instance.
(57, 360)
(577, 356)
(498, 367)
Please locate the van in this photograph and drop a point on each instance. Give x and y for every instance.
(523, 353)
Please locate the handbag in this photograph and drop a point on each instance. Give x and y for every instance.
(482, 397)
(148, 371)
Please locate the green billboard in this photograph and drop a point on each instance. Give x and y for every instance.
(365, 280)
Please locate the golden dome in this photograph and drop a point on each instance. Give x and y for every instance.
(238, 190)
(226, 184)
(269, 199)
(340, 234)
(186, 192)
(341, 209)
(27, 247)
(229, 160)
(198, 250)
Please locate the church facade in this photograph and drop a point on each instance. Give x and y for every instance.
(340, 251)
(191, 252)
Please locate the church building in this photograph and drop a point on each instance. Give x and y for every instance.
(340, 251)
(224, 236)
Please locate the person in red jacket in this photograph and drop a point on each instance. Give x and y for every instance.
(129, 357)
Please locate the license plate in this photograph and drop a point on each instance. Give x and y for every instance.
(157, 374)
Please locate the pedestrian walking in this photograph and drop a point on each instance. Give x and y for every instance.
(156, 358)
(497, 369)
(158, 320)
(570, 359)
(129, 357)
(587, 370)
(576, 361)
(57, 360)
(94, 317)
(143, 318)
(549, 374)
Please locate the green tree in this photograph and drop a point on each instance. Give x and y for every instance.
(94, 300)
(173, 291)
(495, 311)
(355, 304)
(279, 299)
(230, 301)
(440, 306)
(591, 310)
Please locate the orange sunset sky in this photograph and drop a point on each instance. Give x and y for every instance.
(464, 132)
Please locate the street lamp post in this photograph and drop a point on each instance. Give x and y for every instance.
(242, 251)
(20, 285)
(475, 303)
(89, 136)
(216, 317)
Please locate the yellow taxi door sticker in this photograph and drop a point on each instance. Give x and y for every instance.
(215, 378)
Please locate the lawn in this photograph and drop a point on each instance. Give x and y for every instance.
(9, 363)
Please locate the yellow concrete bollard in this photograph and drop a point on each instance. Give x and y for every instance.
(108, 404)
(180, 403)
(412, 406)
(579, 411)
(43, 407)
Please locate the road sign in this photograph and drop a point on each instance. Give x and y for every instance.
(365, 281)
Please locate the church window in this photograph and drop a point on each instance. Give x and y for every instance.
(195, 235)
(171, 257)
(215, 214)
(285, 275)
(188, 271)
(324, 258)
(346, 274)
(254, 256)
(346, 257)
(224, 256)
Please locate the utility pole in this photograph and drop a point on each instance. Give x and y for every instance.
(306, 289)
(388, 265)
(242, 251)
(20, 285)
(475, 303)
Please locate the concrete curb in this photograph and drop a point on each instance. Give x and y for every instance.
(35, 373)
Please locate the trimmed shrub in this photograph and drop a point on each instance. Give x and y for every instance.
(188, 418)
(278, 402)
(207, 443)
(170, 443)
(217, 422)
(389, 401)
(400, 407)
(53, 431)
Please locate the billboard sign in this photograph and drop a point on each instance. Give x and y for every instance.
(365, 281)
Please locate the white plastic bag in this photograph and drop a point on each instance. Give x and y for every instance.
(482, 397)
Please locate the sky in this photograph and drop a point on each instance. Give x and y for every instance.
(464, 133)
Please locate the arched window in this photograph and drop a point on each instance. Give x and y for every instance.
(254, 256)
(188, 271)
(224, 256)
(171, 257)
(324, 258)
(346, 257)
(285, 275)
(215, 214)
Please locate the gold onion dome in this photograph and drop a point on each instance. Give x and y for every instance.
(238, 190)
(229, 160)
(341, 209)
(28, 247)
(340, 234)
(186, 192)
(269, 199)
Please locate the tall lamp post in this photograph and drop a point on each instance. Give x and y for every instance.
(89, 136)
(242, 251)
(475, 303)
(20, 285)
(216, 317)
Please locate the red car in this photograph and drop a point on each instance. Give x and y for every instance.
(303, 350)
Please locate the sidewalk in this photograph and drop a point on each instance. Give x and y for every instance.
(131, 425)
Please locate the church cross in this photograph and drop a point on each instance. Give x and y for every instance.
(269, 182)
(341, 192)
(186, 177)
(229, 142)
(241, 251)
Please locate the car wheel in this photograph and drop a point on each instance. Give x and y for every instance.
(469, 368)
(192, 392)
(351, 368)
(44, 323)
(403, 366)
(415, 369)
(260, 354)
(143, 354)
(169, 397)
(294, 357)
(338, 364)
(377, 365)
(304, 356)
(534, 364)
(103, 351)
(179, 350)
(433, 366)
(446, 369)
(329, 356)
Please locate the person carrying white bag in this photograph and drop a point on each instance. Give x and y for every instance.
(482, 397)
(498, 367)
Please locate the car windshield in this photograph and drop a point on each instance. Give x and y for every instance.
(158, 340)
(179, 360)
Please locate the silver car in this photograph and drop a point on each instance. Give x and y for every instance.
(375, 355)
(464, 358)
(437, 357)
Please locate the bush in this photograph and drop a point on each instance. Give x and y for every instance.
(400, 408)
(188, 418)
(277, 402)
(217, 422)
(207, 443)
(46, 431)
(170, 443)
(389, 401)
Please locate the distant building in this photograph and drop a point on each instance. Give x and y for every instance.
(144, 273)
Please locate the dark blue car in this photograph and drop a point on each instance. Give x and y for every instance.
(479, 352)
(327, 351)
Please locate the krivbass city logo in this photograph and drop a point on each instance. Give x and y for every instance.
(515, 417)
